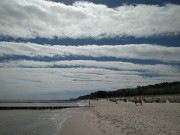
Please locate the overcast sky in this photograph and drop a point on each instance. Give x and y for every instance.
(66, 48)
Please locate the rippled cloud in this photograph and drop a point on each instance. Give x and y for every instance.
(135, 51)
(32, 77)
(47, 19)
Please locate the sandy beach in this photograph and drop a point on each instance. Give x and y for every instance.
(107, 118)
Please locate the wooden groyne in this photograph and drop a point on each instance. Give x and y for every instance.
(35, 107)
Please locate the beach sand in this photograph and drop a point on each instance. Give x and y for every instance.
(107, 118)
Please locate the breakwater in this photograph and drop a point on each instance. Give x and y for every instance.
(34, 107)
(38, 106)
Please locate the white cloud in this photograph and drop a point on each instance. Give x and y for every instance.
(24, 78)
(132, 51)
(27, 81)
(111, 65)
(40, 18)
(158, 69)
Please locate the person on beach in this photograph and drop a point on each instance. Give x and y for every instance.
(135, 101)
(115, 101)
(140, 101)
(89, 102)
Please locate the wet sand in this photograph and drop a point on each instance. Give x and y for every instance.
(78, 123)
(108, 118)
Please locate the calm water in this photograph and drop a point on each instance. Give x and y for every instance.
(32, 122)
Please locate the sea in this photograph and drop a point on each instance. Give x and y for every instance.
(34, 122)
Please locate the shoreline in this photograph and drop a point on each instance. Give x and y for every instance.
(107, 118)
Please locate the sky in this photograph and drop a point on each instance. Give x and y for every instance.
(60, 49)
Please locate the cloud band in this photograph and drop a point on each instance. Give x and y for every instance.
(31, 19)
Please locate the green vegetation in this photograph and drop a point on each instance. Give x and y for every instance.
(156, 89)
